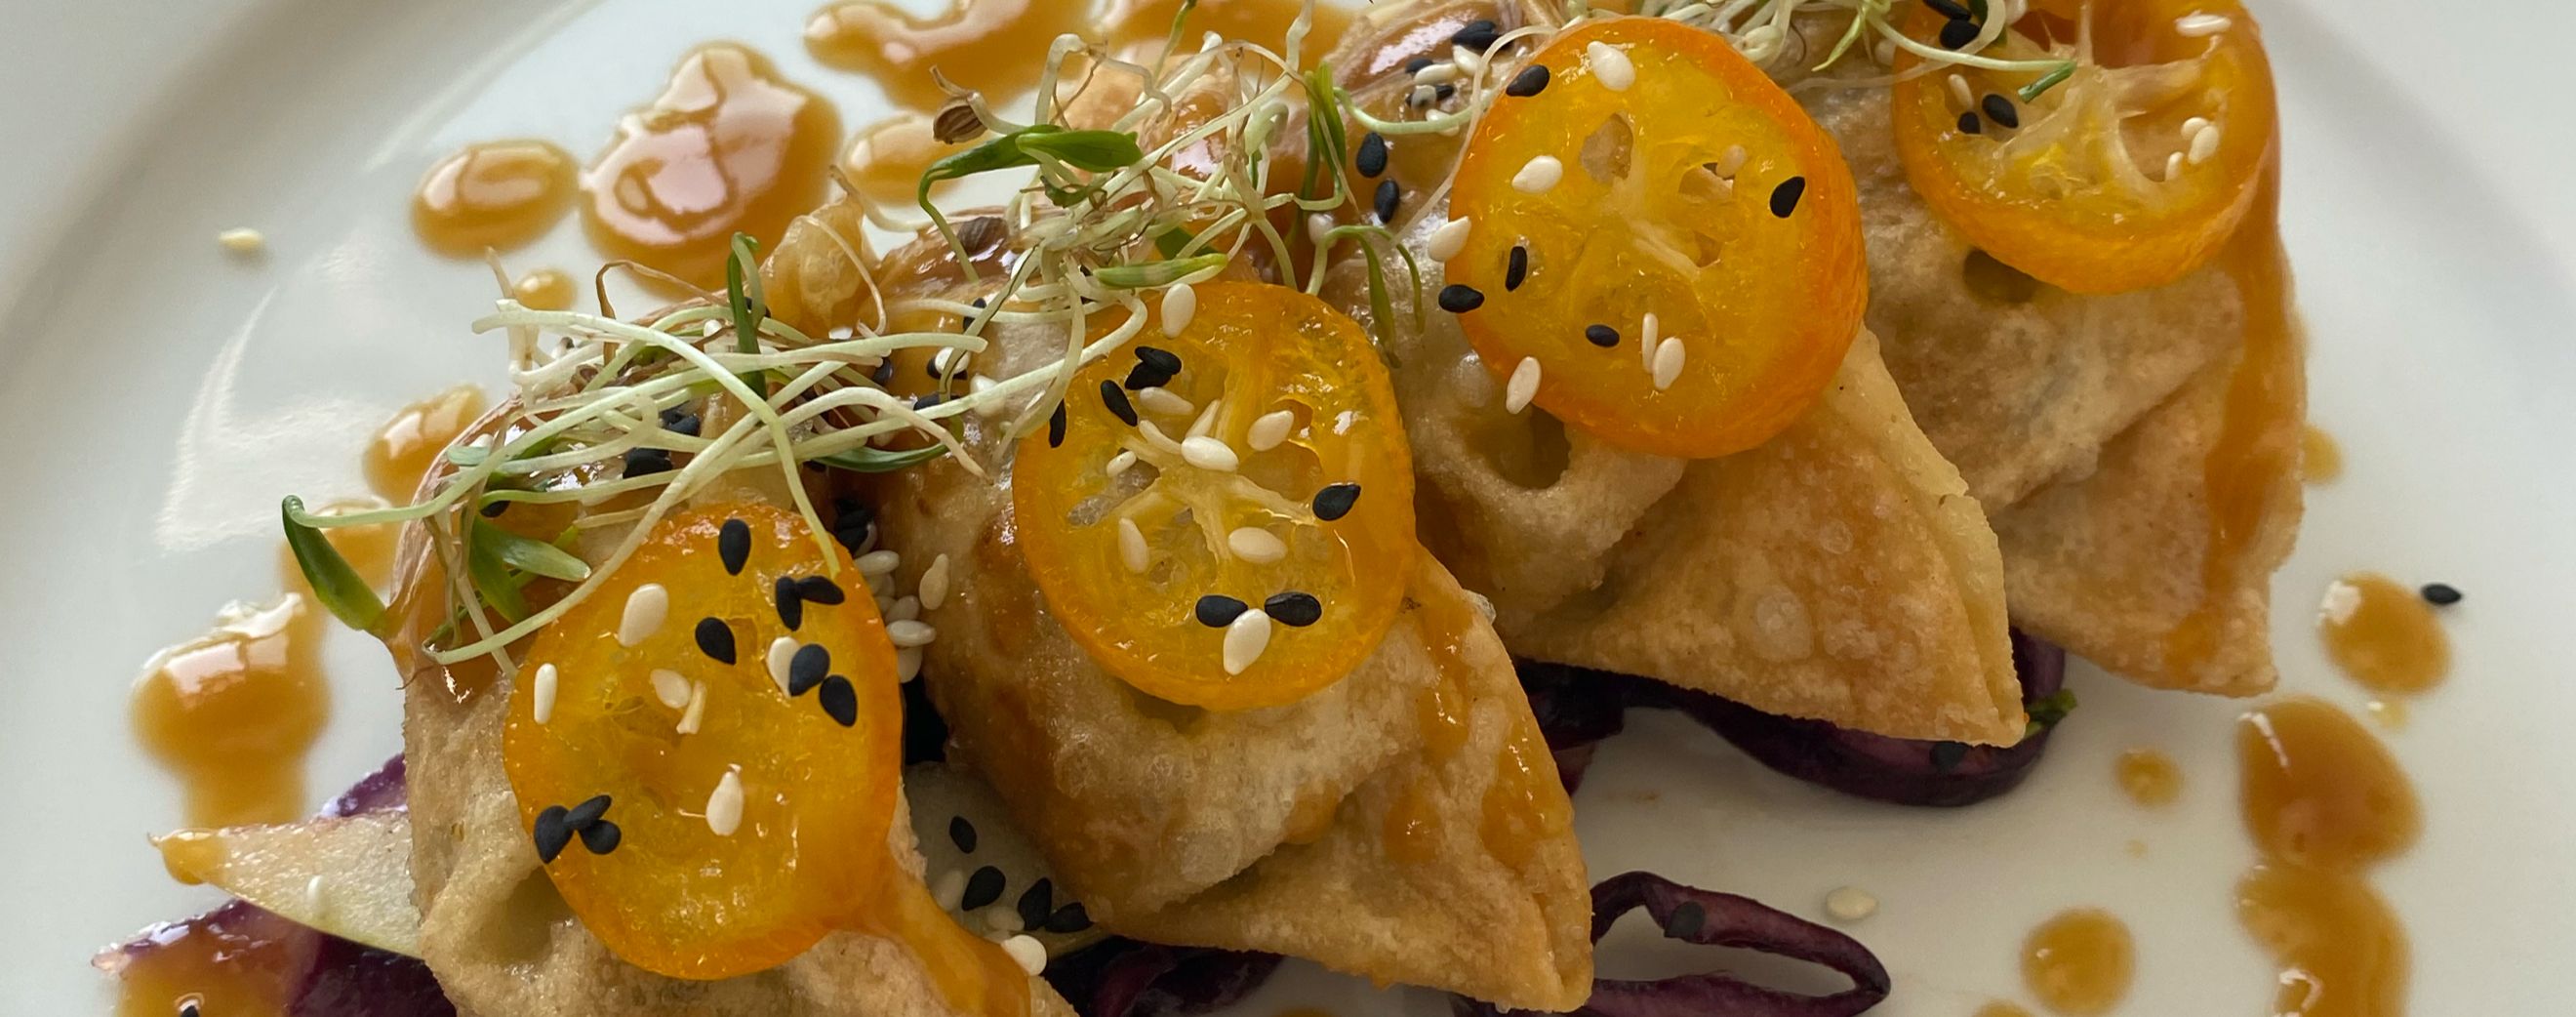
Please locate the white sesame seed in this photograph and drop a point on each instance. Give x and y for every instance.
(1959, 91)
(1180, 304)
(782, 651)
(1030, 956)
(934, 584)
(1539, 175)
(1885, 51)
(1436, 74)
(1269, 429)
(1468, 60)
(242, 240)
(949, 890)
(541, 693)
(711, 327)
(1449, 239)
(1668, 362)
(646, 609)
(2173, 166)
(696, 713)
(906, 632)
(1317, 225)
(1245, 638)
(1120, 463)
(1850, 904)
(314, 901)
(839, 332)
(2204, 143)
(885, 605)
(879, 563)
(907, 609)
(1422, 95)
(1731, 160)
(1650, 328)
(2198, 24)
(1255, 545)
(1206, 422)
(1523, 387)
(671, 688)
(1610, 66)
(988, 408)
(1209, 454)
(2192, 126)
(879, 585)
(1154, 436)
(907, 663)
(724, 804)
(1157, 399)
(942, 358)
(1002, 918)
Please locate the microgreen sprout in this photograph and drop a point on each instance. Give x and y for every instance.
(1762, 29)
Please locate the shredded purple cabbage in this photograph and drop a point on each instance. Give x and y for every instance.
(1578, 707)
(1710, 918)
(1121, 977)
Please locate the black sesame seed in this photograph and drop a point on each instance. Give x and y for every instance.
(818, 590)
(687, 423)
(927, 400)
(884, 374)
(1460, 298)
(1442, 91)
(807, 668)
(715, 639)
(979, 303)
(1478, 36)
(1372, 154)
(848, 511)
(673, 415)
(1116, 399)
(1144, 376)
(2441, 594)
(1530, 81)
(601, 837)
(1068, 919)
(494, 510)
(644, 462)
(840, 700)
(551, 833)
(733, 545)
(1335, 500)
(853, 537)
(1055, 427)
(1159, 359)
(1515, 268)
(2001, 110)
(1784, 198)
(1294, 608)
(581, 816)
(1415, 65)
(791, 608)
(1389, 197)
(1601, 335)
(1216, 610)
(962, 834)
(982, 888)
(189, 1009)
(1970, 123)
(1951, 9)
(1037, 904)
(1957, 33)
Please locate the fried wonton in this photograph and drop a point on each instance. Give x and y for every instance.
(1149, 810)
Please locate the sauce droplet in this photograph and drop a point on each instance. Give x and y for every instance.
(497, 194)
(546, 289)
(2150, 777)
(232, 712)
(2080, 962)
(236, 959)
(2383, 635)
(2324, 802)
(2320, 459)
(410, 443)
(878, 39)
(728, 147)
(885, 161)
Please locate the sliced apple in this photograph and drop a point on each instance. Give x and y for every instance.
(349, 876)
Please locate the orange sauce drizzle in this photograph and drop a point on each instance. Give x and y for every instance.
(997, 47)
(496, 194)
(546, 289)
(232, 961)
(885, 161)
(2079, 963)
(2320, 459)
(1526, 806)
(232, 712)
(972, 974)
(2383, 635)
(728, 147)
(2258, 443)
(1411, 830)
(405, 448)
(2150, 777)
(2324, 802)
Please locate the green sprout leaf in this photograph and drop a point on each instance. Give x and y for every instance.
(877, 460)
(335, 582)
(2031, 92)
(492, 578)
(2046, 713)
(1156, 273)
(535, 557)
(1171, 242)
(1097, 151)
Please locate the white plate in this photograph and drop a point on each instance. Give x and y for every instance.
(159, 397)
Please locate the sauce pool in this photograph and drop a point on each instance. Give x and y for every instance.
(2150, 777)
(885, 161)
(2325, 803)
(996, 47)
(404, 449)
(546, 289)
(2383, 635)
(232, 712)
(496, 194)
(2079, 963)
